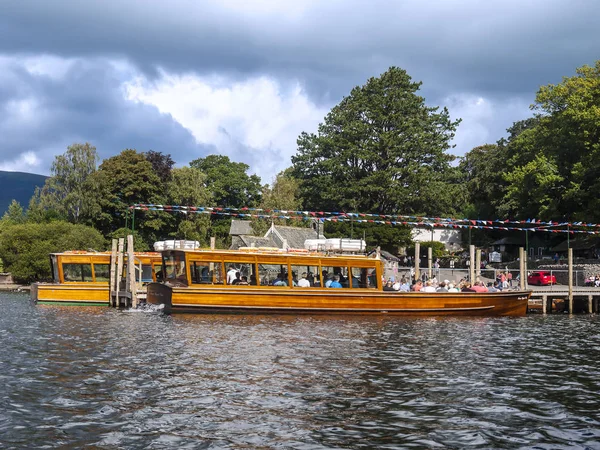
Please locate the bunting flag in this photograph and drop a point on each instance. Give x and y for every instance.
(383, 219)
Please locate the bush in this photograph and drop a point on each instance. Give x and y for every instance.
(25, 248)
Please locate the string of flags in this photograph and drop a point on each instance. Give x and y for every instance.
(385, 219)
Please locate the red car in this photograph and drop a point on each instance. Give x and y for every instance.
(541, 278)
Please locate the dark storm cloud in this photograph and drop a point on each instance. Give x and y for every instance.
(496, 47)
(44, 114)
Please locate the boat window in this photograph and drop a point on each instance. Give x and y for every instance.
(174, 266)
(361, 278)
(77, 272)
(146, 273)
(101, 272)
(242, 273)
(206, 272)
(273, 274)
(331, 272)
(309, 274)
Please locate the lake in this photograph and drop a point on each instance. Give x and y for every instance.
(75, 377)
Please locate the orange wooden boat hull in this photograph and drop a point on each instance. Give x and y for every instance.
(258, 299)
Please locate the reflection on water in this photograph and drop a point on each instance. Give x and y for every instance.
(73, 377)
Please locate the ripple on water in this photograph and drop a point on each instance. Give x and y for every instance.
(76, 377)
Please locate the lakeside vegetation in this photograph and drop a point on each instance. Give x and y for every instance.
(380, 150)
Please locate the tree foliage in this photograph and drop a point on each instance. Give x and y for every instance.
(381, 150)
(24, 248)
(69, 191)
(123, 180)
(228, 183)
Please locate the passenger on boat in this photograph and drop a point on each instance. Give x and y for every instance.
(442, 287)
(428, 287)
(417, 286)
(231, 275)
(238, 278)
(479, 287)
(303, 282)
(243, 281)
(452, 287)
(404, 286)
(491, 287)
(280, 280)
(388, 286)
(335, 283)
(467, 288)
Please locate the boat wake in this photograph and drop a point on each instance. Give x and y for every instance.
(147, 308)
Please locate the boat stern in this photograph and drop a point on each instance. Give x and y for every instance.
(160, 294)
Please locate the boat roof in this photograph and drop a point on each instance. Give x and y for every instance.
(273, 251)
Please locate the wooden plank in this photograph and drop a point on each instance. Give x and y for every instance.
(131, 284)
(113, 261)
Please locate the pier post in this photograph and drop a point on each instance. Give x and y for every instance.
(429, 261)
(544, 304)
(590, 304)
(522, 274)
(570, 258)
(113, 287)
(472, 264)
(131, 285)
(119, 272)
(478, 264)
(417, 260)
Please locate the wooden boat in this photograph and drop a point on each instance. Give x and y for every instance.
(198, 281)
(82, 278)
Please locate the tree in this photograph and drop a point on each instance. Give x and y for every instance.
(162, 164)
(123, 180)
(380, 150)
(187, 188)
(68, 190)
(483, 169)
(563, 141)
(283, 195)
(14, 215)
(24, 248)
(228, 183)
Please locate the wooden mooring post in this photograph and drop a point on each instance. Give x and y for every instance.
(123, 293)
(570, 257)
(417, 260)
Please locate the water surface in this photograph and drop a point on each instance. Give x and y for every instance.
(75, 377)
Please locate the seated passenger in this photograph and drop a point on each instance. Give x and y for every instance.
(280, 281)
(303, 282)
(442, 287)
(335, 283)
(243, 281)
(428, 287)
(389, 286)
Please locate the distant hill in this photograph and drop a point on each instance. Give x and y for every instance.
(19, 186)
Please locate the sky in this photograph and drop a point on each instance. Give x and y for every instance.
(243, 78)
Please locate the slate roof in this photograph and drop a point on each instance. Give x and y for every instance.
(294, 236)
(240, 227)
(385, 255)
(241, 236)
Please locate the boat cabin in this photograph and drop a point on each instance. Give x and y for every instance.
(91, 267)
(260, 267)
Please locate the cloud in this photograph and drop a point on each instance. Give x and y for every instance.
(256, 121)
(245, 77)
(48, 106)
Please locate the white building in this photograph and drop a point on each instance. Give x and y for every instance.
(449, 237)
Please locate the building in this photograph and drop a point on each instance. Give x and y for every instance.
(449, 237)
(277, 236)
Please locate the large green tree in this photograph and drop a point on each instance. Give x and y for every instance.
(69, 190)
(186, 187)
(380, 150)
(123, 180)
(228, 182)
(555, 163)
